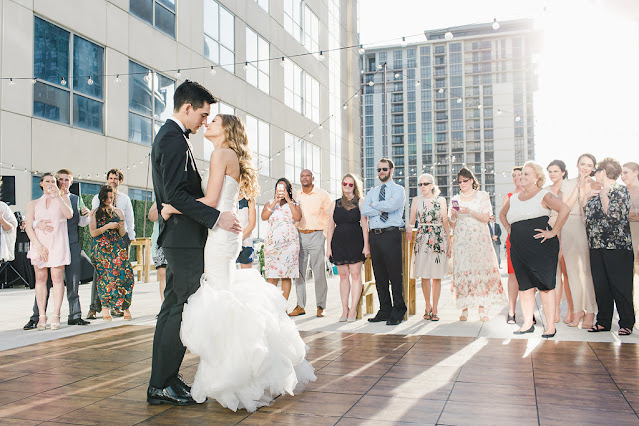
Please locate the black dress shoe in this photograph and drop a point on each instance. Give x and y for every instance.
(548, 335)
(179, 382)
(117, 312)
(377, 319)
(530, 330)
(169, 395)
(78, 321)
(395, 321)
(31, 325)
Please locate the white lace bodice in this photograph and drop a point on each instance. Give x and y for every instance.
(227, 202)
(529, 209)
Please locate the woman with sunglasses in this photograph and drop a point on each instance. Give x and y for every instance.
(431, 249)
(347, 243)
(476, 278)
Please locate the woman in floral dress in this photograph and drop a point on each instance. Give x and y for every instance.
(282, 245)
(110, 256)
(476, 279)
(431, 249)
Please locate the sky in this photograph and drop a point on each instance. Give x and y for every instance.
(588, 69)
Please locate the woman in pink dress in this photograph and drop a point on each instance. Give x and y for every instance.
(49, 250)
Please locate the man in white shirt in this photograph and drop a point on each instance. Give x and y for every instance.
(115, 177)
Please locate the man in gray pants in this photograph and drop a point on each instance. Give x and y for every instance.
(315, 204)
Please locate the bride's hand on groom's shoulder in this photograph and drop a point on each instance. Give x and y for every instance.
(229, 222)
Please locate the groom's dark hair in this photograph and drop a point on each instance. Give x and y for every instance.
(191, 92)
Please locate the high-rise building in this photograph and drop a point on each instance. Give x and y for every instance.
(461, 97)
(87, 84)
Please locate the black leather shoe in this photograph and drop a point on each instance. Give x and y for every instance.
(530, 330)
(179, 382)
(548, 335)
(395, 321)
(169, 395)
(31, 325)
(117, 312)
(377, 318)
(78, 321)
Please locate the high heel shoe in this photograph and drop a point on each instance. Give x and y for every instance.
(106, 316)
(127, 315)
(42, 325)
(530, 330)
(482, 315)
(464, 315)
(55, 325)
(576, 319)
(548, 335)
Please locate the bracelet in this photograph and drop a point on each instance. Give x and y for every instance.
(268, 208)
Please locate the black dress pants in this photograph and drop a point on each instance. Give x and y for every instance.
(386, 256)
(612, 276)
(183, 271)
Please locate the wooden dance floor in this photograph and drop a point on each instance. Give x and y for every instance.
(101, 377)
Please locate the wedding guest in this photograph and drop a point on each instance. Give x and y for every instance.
(495, 235)
(575, 244)
(384, 206)
(247, 215)
(49, 251)
(282, 245)
(513, 287)
(315, 204)
(115, 177)
(157, 252)
(607, 215)
(110, 256)
(557, 173)
(476, 279)
(534, 247)
(630, 177)
(431, 249)
(347, 238)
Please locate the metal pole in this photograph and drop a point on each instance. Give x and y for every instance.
(384, 115)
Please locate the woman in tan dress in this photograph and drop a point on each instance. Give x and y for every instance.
(575, 244)
(630, 177)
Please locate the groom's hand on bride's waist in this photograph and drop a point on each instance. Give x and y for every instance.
(229, 222)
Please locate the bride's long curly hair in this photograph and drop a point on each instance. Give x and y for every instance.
(235, 134)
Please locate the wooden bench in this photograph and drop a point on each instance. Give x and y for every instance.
(144, 263)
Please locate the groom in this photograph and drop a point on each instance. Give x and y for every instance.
(176, 181)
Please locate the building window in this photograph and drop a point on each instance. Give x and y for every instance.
(259, 139)
(58, 57)
(299, 155)
(302, 24)
(293, 18)
(311, 30)
(263, 4)
(150, 102)
(140, 194)
(301, 91)
(257, 56)
(219, 35)
(159, 13)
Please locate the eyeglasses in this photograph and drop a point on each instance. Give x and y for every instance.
(424, 183)
(382, 169)
(347, 184)
(460, 181)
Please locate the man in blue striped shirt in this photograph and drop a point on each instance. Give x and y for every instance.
(384, 206)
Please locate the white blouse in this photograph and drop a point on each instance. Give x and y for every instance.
(529, 209)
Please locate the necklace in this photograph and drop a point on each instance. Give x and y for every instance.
(469, 194)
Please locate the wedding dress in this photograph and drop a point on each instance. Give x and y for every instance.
(250, 350)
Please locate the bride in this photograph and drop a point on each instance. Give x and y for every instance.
(250, 350)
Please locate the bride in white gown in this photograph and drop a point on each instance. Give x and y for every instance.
(250, 350)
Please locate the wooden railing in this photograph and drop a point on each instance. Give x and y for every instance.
(144, 263)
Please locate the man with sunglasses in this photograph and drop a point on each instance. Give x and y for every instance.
(384, 206)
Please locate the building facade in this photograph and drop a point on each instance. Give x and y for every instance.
(462, 97)
(87, 84)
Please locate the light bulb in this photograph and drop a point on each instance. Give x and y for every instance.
(404, 44)
(345, 107)
(379, 66)
(495, 24)
(361, 49)
(321, 127)
(178, 74)
(371, 83)
(147, 77)
(63, 82)
(356, 95)
(441, 90)
(90, 81)
(283, 63)
(417, 83)
(245, 66)
(480, 106)
(34, 80)
(310, 136)
(448, 35)
(11, 82)
(321, 56)
(117, 78)
(518, 118)
(397, 75)
(213, 71)
(459, 100)
(499, 112)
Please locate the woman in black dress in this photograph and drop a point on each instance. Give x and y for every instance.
(534, 246)
(347, 243)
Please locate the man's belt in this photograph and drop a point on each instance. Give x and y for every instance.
(309, 231)
(380, 230)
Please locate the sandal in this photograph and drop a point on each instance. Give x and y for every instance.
(127, 315)
(482, 315)
(42, 325)
(434, 317)
(625, 331)
(106, 316)
(511, 319)
(464, 315)
(597, 328)
(428, 315)
(55, 325)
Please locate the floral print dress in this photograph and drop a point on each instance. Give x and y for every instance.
(476, 278)
(431, 243)
(110, 257)
(282, 245)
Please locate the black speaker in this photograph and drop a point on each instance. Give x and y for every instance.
(8, 193)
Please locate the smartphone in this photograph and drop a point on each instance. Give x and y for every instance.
(455, 204)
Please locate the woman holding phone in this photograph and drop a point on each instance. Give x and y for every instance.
(110, 256)
(282, 245)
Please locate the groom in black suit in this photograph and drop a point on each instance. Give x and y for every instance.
(176, 181)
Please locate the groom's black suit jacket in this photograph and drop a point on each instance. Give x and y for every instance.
(176, 181)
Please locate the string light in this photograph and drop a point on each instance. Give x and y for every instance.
(321, 56)
(213, 71)
(34, 80)
(246, 67)
(448, 35)
(283, 63)
(499, 112)
(11, 82)
(417, 83)
(495, 24)
(178, 74)
(345, 107)
(459, 100)
(63, 82)
(371, 83)
(147, 77)
(90, 81)
(361, 50)
(441, 90)
(518, 118)
(404, 44)
(117, 78)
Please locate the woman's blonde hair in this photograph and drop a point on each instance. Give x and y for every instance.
(632, 166)
(539, 171)
(357, 192)
(436, 190)
(235, 135)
